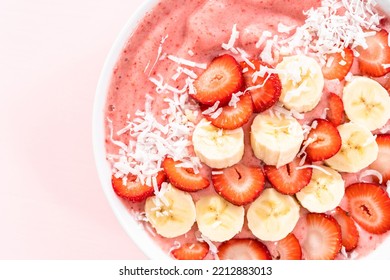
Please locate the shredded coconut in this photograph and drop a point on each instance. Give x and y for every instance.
(233, 37)
(314, 167)
(371, 172)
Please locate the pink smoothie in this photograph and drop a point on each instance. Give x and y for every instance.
(194, 30)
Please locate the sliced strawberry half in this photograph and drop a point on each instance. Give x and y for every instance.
(233, 117)
(349, 232)
(382, 162)
(243, 249)
(184, 178)
(239, 184)
(219, 81)
(134, 190)
(287, 179)
(268, 91)
(322, 239)
(338, 65)
(327, 141)
(286, 249)
(372, 61)
(369, 206)
(336, 109)
(191, 251)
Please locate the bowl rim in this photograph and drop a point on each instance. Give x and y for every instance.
(134, 229)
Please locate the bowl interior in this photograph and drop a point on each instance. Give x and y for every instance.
(133, 228)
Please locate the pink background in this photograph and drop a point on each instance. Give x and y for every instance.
(51, 203)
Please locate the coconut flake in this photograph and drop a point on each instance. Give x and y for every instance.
(266, 54)
(371, 172)
(233, 37)
(284, 28)
(235, 99)
(264, 36)
(314, 167)
(183, 61)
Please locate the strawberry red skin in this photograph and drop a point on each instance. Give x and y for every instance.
(336, 109)
(182, 178)
(243, 249)
(266, 96)
(135, 191)
(382, 163)
(219, 81)
(239, 184)
(328, 141)
(323, 237)
(287, 249)
(371, 60)
(191, 251)
(336, 70)
(286, 179)
(232, 118)
(369, 206)
(349, 232)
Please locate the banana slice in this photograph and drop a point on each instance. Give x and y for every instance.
(276, 140)
(358, 149)
(324, 192)
(366, 103)
(218, 219)
(218, 148)
(273, 215)
(302, 82)
(172, 214)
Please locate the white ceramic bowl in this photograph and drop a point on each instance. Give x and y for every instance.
(132, 228)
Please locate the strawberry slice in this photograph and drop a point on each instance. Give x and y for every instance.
(222, 78)
(191, 251)
(266, 95)
(286, 249)
(134, 190)
(243, 249)
(327, 141)
(373, 59)
(287, 179)
(184, 178)
(322, 239)
(349, 232)
(369, 206)
(336, 109)
(239, 184)
(382, 162)
(233, 117)
(338, 65)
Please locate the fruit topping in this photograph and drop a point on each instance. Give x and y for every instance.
(287, 179)
(191, 251)
(369, 206)
(239, 184)
(338, 65)
(219, 81)
(184, 178)
(349, 232)
(325, 141)
(243, 249)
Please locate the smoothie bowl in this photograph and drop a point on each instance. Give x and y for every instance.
(228, 129)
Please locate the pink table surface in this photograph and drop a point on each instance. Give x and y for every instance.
(51, 203)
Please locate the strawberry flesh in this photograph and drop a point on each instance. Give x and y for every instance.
(286, 249)
(219, 81)
(369, 206)
(234, 117)
(336, 109)
(287, 179)
(270, 88)
(349, 232)
(382, 163)
(243, 249)
(191, 251)
(327, 141)
(184, 178)
(239, 184)
(322, 240)
(133, 190)
(340, 65)
(372, 59)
